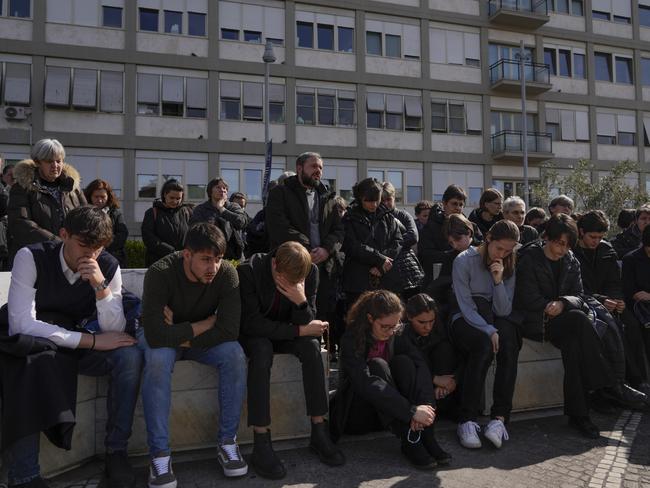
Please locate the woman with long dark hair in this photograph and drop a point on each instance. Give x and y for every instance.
(484, 287)
(100, 194)
(385, 384)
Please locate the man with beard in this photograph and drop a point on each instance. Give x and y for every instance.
(304, 210)
(191, 310)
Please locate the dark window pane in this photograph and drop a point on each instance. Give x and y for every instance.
(19, 8)
(579, 66)
(326, 37)
(172, 109)
(276, 112)
(253, 36)
(346, 39)
(577, 8)
(562, 6)
(305, 109)
(644, 15)
(456, 118)
(373, 43)
(346, 112)
(230, 34)
(148, 20)
(148, 108)
(305, 34)
(230, 109)
(413, 194)
(645, 71)
(275, 42)
(393, 46)
(253, 113)
(195, 24)
(565, 62)
(413, 123)
(394, 121)
(173, 22)
(603, 66)
(147, 186)
(600, 15)
(326, 110)
(439, 117)
(549, 58)
(606, 140)
(626, 139)
(374, 120)
(199, 113)
(623, 70)
(622, 20)
(112, 17)
(554, 130)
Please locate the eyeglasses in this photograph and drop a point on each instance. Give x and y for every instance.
(391, 327)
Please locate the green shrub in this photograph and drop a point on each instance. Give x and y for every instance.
(134, 254)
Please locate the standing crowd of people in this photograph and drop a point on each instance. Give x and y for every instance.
(415, 310)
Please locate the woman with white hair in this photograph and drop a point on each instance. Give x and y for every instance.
(514, 209)
(46, 189)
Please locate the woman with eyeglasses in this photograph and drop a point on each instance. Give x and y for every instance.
(426, 331)
(514, 209)
(484, 286)
(384, 384)
(488, 212)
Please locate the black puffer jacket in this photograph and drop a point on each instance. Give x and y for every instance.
(34, 214)
(406, 272)
(536, 286)
(627, 241)
(601, 276)
(483, 225)
(232, 221)
(120, 235)
(164, 229)
(370, 238)
(433, 246)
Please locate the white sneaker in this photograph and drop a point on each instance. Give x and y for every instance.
(468, 435)
(231, 460)
(496, 432)
(161, 474)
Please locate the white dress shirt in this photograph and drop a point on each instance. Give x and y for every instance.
(22, 303)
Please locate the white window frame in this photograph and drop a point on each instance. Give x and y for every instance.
(464, 175)
(144, 160)
(446, 37)
(404, 31)
(161, 101)
(467, 104)
(241, 163)
(242, 101)
(267, 31)
(24, 101)
(386, 112)
(336, 93)
(409, 176)
(334, 20)
(185, 7)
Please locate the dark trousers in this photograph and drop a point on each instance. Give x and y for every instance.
(260, 352)
(476, 347)
(365, 417)
(585, 367)
(636, 360)
(442, 360)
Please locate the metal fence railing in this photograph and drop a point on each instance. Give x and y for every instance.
(513, 141)
(508, 69)
(539, 7)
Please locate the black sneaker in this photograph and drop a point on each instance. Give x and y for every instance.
(161, 474)
(231, 460)
(35, 483)
(264, 460)
(119, 472)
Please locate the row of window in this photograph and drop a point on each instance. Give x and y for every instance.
(16, 8)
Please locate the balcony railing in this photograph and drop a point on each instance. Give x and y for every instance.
(539, 7)
(513, 141)
(508, 69)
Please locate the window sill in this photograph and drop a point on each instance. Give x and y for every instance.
(351, 53)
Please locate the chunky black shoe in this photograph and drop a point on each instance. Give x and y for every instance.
(626, 396)
(601, 405)
(264, 460)
(322, 444)
(585, 426)
(441, 456)
(119, 472)
(35, 483)
(414, 450)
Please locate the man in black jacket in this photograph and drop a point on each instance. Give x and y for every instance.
(278, 294)
(304, 210)
(636, 283)
(630, 239)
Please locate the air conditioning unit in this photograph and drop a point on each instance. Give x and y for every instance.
(15, 113)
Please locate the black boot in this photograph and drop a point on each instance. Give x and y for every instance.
(441, 456)
(414, 450)
(35, 483)
(626, 396)
(119, 472)
(585, 426)
(264, 461)
(322, 445)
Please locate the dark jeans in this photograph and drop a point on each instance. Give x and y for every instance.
(260, 352)
(365, 417)
(636, 360)
(123, 366)
(476, 347)
(585, 366)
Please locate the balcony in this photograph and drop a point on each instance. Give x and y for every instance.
(504, 77)
(523, 14)
(507, 146)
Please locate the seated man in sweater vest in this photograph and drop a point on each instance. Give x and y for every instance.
(278, 293)
(191, 310)
(56, 287)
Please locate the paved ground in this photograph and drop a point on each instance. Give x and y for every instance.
(542, 452)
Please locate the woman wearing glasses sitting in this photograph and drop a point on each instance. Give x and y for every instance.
(484, 286)
(384, 384)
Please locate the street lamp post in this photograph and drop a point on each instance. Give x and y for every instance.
(268, 58)
(522, 57)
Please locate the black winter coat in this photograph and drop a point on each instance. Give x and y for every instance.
(164, 229)
(433, 246)
(636, 275)
(232, 221)
(483, 225)
(406, 272)
(627, 241)
(258, 294)
(536, 286)
(370, 238)
(601, 275)
(120, 235)
(287, 216)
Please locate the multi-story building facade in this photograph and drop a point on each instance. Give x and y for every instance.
(423, 93)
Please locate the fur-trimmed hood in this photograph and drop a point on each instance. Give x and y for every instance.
(26, 172)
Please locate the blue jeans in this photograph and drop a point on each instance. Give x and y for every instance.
(123, 366)
(228, 358)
